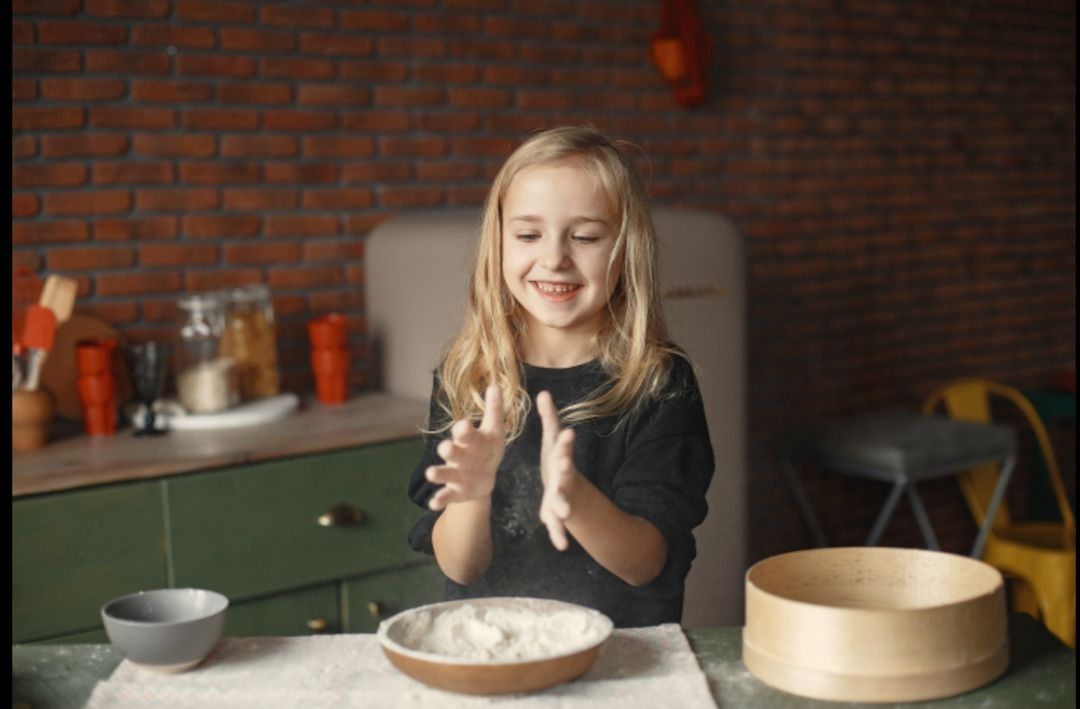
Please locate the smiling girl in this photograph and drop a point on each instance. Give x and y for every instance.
(568, 455)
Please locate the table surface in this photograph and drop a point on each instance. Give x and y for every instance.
(1042, 673)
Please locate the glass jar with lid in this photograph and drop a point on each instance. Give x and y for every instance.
(250, 339)
(206, 377)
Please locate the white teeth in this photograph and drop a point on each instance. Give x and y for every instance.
(555, 287)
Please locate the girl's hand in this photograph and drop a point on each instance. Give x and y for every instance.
(471, 455)
(557, 471)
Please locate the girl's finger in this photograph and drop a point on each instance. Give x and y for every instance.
(443, 474)
(549, 417)
(493, 410)
(463, 432)
(560, 506)
(447, 449)
(557, 534)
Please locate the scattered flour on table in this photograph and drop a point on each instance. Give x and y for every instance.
(500, 634)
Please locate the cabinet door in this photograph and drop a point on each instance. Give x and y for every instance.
(305, 612)
(73, 551)
(270, 527)
(373, 598)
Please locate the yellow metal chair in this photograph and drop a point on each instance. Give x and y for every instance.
(1040, 555)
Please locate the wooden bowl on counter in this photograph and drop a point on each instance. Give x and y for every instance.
(494, 676)
(875, 624)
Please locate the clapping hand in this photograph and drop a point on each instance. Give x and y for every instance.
(557, 471)
(471, 455)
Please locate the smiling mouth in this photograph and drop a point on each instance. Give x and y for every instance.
(556, 292)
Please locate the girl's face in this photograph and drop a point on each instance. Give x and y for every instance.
(558, 233)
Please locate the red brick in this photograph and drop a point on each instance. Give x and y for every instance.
(260, 199)
(34, 60)
(177, 254)
(235, 146)
(219, 279)
(24, 89)
(460, 25)
(334, 146)
(22, 32)
(137, 283)
(449, 171)
(112, 312)
(89, 258)
(296, 16)
(175, 145)
(413, 147)
(87, 202)
(300, 172)
(289, 120)
(296, 68)
(46, 7)
(404, 196)
(307, 225)
(49, 232)
(170, 35)
(482, 50)
(117, 62)
(176, 200)
(221, 226)
(215, 11)
(343, 198)
(412, 47)
(408, 97)
(219, 173)
(467, 195)
(378, 121)
(363, 223)
(215, 119)
(479, 98)
(373, 71)
(332, 95)
(139, 229)
(300, 277)
(262, 253)
(335, 250)
(322, 43)
(48, 175)
(39, 118)
(91, 34)
(24, 205)
(144, 9)
(23, 146)
(164, 91)
(449, 122)
(374, 20)
(261, 92)
(493, 147)
(215, 65)
(448, 73)
(363, 172)
(489, 5)
(247, 39)
(546, 99)
(84, 145)
(516, 28)
(336, 301)
(115, 173)
(82, 89)
(132, 117)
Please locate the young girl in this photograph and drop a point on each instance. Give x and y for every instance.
(568, 456)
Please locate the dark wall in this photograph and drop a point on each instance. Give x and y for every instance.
(904, 174)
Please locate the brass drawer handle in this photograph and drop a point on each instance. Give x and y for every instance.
(376, 610)
(317, 625)
(342, 516)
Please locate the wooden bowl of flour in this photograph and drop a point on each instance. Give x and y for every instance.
(874, 624)
(495, 645)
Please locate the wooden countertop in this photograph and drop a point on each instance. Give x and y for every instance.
(81, 461)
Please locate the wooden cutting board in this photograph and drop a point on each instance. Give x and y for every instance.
(59, 374)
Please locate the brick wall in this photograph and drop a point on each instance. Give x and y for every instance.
(904, 174)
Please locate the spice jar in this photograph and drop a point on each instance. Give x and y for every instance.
(206, 377)
(250, 340)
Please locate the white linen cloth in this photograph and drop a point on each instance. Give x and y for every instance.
(637, 667)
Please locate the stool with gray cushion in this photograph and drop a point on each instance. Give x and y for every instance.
(900, 448)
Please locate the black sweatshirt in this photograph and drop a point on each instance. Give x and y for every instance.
(657, 466)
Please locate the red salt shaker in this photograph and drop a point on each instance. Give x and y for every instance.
(330, 357)
(97, 385)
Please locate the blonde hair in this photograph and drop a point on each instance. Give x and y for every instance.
(632, 342)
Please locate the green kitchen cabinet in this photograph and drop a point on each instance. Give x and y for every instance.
(74, 551)
(299, 545)
(370, 599)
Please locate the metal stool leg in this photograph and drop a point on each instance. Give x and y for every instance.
(804, 503)
(992, 509)
(886, 512)
(921, 517)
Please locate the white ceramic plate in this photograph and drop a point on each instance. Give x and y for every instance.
(252, 413)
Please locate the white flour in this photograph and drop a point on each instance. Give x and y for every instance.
(500, 634)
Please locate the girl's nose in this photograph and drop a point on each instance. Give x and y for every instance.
(555, 256)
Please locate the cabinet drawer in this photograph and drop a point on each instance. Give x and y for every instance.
(73, 552)
(255, 530)
(373, 598)
(305, 612)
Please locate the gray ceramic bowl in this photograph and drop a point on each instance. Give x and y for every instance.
(167, 630)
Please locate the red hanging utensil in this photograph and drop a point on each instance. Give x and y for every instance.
(680, 50)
